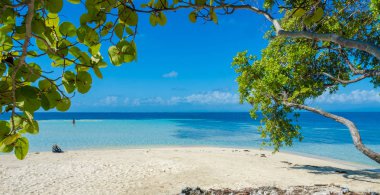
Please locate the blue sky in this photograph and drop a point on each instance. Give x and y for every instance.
(187, 67)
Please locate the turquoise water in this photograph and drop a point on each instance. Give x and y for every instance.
(323, 137)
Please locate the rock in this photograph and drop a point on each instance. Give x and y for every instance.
(345, 190)
(56, 149)
(192, 191)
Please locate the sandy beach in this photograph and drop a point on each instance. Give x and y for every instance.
(168, 170)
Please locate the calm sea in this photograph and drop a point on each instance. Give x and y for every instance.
(322, 136)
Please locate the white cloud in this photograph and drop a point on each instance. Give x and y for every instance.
(356, 96)
(172, 74)
(205, 98)
(212, 97)
(109, 100)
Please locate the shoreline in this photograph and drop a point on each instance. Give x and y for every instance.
(349, 163)
(167, 170)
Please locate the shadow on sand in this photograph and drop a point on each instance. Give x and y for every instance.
(365, 175)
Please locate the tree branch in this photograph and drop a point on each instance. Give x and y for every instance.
(346, 81)
(351, 126)
(28, 34)
(331, 37)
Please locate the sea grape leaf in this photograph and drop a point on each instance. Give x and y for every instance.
(21, 148)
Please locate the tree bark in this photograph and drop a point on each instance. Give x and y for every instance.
(351, 126)
(347, 43)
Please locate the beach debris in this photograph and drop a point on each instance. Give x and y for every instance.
(345, 190)
(56, 149)
(286, 162)
(272, 190)
(246, 150)
(263, 155)
(192, 191)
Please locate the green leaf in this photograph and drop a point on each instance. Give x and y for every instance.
(41, 45)
(213, 17)
(53, 96)
(68, 81)
(52, 20)
(193, 17)
(161, 19)
(4, 128)
(2, 68)
(32, 127)
(97, 72)
(84, 18)
(200, 2)
(128, 16)
(129, 30)
(83, 82)
(6, 148)
(21, 148)
(38, 26)
(299, 12)
(91, 38)
(115, 55)
(64, 104)
(94, 50)
(11, 139)
(31, 105)
(32, 53)
(127, 50)
(67, 29)
(27, 92)
(29, 116)
(74, 1)
(318, 14)
(44, 85)
(119, 30)
(75, 51)
(31, 72)
(45, 104)
(54, 6)
(7, 44)
(153, 19)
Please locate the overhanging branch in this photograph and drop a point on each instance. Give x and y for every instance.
(331, 37)
(349, 124)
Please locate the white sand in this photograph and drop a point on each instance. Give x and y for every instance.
(168, 170)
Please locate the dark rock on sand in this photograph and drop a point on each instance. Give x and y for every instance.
(56, 149)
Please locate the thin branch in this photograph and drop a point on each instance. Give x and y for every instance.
(28, 35)
(346, 81)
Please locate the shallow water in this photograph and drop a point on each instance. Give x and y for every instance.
(322, 137)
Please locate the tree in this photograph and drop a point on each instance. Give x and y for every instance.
(317, 47)
(277, 84)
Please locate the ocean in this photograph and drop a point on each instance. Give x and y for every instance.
(322, 136)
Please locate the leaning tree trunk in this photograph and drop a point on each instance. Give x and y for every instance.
(351, 126)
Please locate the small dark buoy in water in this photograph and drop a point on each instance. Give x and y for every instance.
(73, 121)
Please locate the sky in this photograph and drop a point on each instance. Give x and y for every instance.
(186, 67)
